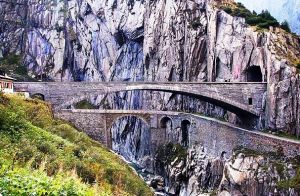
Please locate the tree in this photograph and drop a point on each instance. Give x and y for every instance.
(285, 25)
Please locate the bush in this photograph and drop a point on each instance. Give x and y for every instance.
(65, 131)
(11, 59)
(46, 148)
(167, 153)
(85, 173)
(291, 183)
(11, 123)
(262, 20)
(285, 26)
(228, 10)
(84, 104)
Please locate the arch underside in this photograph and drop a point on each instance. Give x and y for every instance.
(225, 103)
(115, 117)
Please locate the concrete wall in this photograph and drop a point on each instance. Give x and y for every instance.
(216, 136)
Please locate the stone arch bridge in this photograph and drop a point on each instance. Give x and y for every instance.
(240, 98)
(216, 136)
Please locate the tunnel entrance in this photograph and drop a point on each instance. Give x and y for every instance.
(253, 74)
(185, 126)
(38, 96)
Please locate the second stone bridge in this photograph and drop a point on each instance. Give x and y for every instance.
(216, 136)
(240, 98)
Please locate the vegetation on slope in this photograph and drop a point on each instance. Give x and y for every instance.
(13, 66)
(43, 156)
(263, 20)
(85, 104)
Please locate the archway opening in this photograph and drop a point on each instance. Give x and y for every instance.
(254, 74)
(38, 96)
(165, 122)
(185, 127)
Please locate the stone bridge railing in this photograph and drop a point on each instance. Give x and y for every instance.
(215, 135)
(240, 98)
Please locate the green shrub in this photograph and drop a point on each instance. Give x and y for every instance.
(65, 131)
(285, 26)
(167, 153)
(84, 104)
(85, 173)
(228, 10)
(11, 59)
(262, 20)
(291, 183)
(46, 148)
(26, 153)
(11, 123)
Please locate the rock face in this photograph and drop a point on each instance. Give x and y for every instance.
(245, 173)
(161, 40)
(154, 41)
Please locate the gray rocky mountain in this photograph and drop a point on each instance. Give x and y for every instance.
(163, 40)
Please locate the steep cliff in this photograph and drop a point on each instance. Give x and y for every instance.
(154, 41)
(160, 40)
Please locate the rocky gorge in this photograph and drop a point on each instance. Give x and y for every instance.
(167, 40)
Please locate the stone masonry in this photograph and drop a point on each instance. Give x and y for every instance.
(239, 98)
(216, 136)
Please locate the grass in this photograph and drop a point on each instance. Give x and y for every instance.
(44, 156)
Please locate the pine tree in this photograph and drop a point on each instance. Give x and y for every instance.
(285, 25)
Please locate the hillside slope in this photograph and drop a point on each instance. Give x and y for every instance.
(43, 156)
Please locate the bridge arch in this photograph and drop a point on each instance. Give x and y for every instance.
(112, 118)
(230, 96)
(165, 121)
(225, 103)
